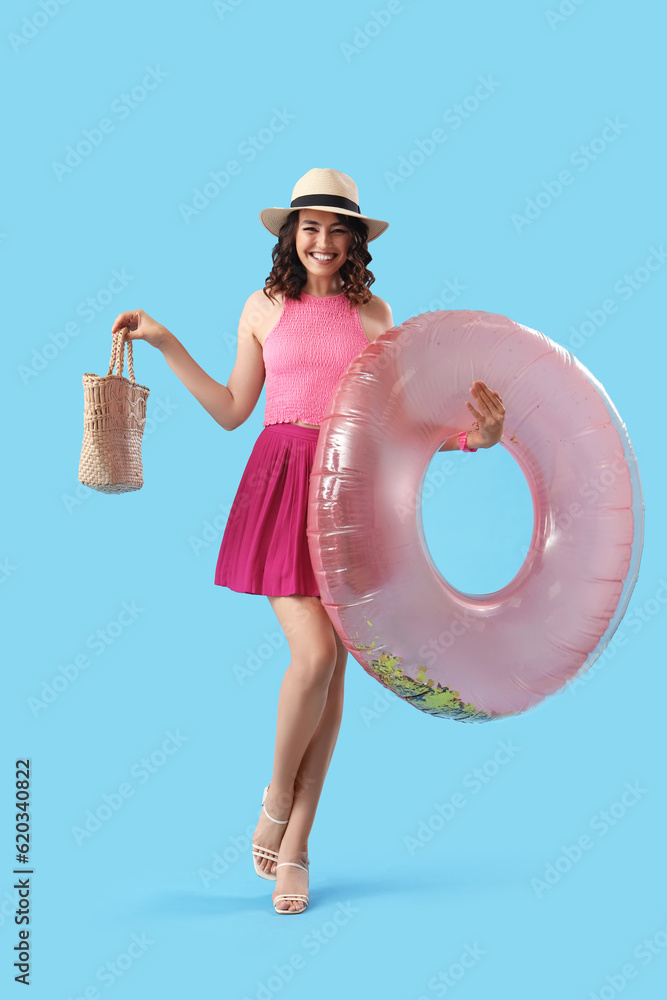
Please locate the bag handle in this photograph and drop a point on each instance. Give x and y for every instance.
(117, 354)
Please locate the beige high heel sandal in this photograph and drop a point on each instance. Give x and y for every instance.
(294, 895)
(265, 852)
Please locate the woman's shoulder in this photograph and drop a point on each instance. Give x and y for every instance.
(377, 317)
(375, 305)
(261, 296)
(260, 313)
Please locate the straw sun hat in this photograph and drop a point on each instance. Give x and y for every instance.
(327, 190)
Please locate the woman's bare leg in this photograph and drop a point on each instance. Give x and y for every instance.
(308, 786)
(303, 696)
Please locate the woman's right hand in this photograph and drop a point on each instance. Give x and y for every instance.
(141, 327)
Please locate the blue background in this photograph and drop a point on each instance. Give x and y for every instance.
(358, 95)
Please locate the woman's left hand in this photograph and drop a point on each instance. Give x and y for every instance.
(489, 423)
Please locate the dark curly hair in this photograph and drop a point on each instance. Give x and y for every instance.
(288, 274)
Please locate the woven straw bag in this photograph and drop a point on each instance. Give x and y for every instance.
(114, 416)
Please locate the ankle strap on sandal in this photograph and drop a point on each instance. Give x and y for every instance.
(281, 821)
(294, 864)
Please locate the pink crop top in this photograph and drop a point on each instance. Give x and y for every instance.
(305, 354)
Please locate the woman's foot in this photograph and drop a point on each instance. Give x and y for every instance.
(268, 833)
(291, 880)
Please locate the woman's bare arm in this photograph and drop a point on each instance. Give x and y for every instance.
(229, 405)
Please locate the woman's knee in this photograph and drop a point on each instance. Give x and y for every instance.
(312, 640)
(315, 666)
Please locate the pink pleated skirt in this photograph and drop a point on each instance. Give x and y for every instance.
(264, 548)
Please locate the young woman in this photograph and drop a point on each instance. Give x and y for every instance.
(314, 315)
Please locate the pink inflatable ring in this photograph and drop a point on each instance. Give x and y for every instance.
(389, 413)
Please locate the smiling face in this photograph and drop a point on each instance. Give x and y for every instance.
(321, 242)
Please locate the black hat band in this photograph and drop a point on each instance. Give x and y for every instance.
(332, 200)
